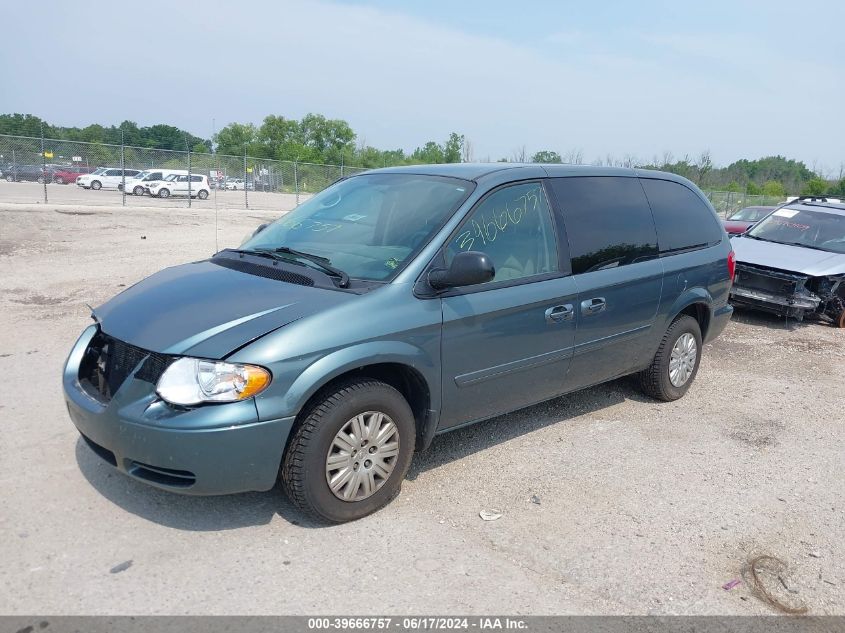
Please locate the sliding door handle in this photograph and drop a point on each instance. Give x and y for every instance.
(593, 306)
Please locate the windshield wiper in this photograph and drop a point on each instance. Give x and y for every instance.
(322, 262)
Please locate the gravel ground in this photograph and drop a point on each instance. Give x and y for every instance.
(611, 503)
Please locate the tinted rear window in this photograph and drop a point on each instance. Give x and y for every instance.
(683, 220)
(608, 222)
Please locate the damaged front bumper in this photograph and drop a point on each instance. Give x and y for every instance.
(786, 294)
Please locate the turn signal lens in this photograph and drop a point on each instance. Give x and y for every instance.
(190, 381)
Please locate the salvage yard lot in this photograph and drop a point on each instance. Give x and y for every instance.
(611, 503)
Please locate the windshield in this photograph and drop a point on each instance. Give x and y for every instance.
(140, 175)
(99, 171)
(751, 214)
(171, 177)
(800, 227)
(369, 226)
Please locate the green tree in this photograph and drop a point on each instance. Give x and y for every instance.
(733, 186)
(774, 189)
(236, 138)
(753, 189)
(453, 148)
(546, 156)
(430, 153)
(814, 187)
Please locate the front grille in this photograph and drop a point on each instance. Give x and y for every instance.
(108, 362)
(768, 280)
(258, 270)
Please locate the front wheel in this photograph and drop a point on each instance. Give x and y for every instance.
(96, 185)
(348, 456)
(675, 364)
(59, 180)
(138, 191)
(164, 193)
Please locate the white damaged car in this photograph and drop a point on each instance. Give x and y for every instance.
(792, 263)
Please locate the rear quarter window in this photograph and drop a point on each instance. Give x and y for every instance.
(682, 218)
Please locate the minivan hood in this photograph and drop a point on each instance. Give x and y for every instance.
(205, 310)
(806, 261)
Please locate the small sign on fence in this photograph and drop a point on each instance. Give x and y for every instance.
(77, 159)
(48, 154)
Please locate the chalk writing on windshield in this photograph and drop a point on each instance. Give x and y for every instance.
(482, 231)
(310, 225)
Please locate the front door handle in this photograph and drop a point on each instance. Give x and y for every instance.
(593, 306)
(556, 314)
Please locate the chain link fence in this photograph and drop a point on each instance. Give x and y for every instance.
(76, 172)
(727, 203)
(211, 180)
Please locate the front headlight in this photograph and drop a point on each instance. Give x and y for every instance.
(193, 381)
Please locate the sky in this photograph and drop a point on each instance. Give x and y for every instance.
(740, 79)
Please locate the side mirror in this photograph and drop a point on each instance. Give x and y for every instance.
(467, 269)
(260, 228)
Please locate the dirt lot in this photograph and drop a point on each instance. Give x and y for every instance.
(611, 502)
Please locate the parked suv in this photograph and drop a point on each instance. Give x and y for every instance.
(106, 178)
(181, 185)
(139, 184)
(393, 306)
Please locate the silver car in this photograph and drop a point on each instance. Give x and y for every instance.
(792, 263)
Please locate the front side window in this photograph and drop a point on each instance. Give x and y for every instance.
(513, 227)
(608, 222)
(801, 227)
(369, 226)
(683, 220)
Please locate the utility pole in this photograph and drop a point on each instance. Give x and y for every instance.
(43, 164)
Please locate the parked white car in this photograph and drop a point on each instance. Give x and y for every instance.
(140, 184)
(234, 184)
(105, 178)
(178, 185)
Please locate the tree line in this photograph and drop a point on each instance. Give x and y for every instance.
(317, 139)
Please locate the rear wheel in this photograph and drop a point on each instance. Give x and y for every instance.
(675, 364)
(41, 180)
(10, 178)
(59, 180)
(138, 191)
(348, 456)
(164, 193)
(203, 194)
(96, 185)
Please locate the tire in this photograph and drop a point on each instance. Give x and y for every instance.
(59, 180)
(40, 180)
(656, 380)
(10, 178)
(305, 470)
(164, 193)
(96, 185)
(138, 190)
(202, 194)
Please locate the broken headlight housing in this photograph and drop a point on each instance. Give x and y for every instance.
(189, 381)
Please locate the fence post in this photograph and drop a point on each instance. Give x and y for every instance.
(246, 195)
(189, 171)
(296, 182)
(122, 168)
(14, 165)
(43, 164)
(341, 164)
